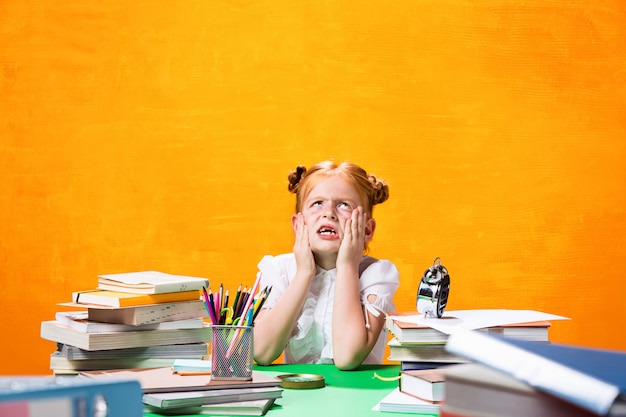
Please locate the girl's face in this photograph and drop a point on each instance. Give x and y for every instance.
(326, 209)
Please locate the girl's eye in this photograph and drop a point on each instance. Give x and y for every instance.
(344, 206)
(316, 203)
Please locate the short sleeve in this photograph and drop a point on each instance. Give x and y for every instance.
(381, 279)
(275, 272)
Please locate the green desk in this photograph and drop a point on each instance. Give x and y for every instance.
(347, 393)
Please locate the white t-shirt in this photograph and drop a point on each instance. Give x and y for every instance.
(311, 339)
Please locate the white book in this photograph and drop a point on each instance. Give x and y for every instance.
(57, 332)
(238, 408)
(398, 402)
(179, 351)
(148, 314)
(79, 320)
(150, 282)
(197, 398)
(59, 362)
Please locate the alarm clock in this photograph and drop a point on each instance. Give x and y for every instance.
(434, 290)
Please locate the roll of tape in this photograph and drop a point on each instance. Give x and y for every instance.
(302, 381)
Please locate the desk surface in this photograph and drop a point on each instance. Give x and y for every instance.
(347, 393)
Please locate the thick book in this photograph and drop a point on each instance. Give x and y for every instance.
(421, 352)
(238, 408)
(150, 282)
(181, 351)
(60, 364)
(472, 389)
(399, 402)
(57, 332)
(594, 379)
(118, 299)
(165, 380)
(169, 400)
(148, 314)
(406, 332)
(79, 320)
(425, 384)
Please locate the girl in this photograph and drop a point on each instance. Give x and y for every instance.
(328, 301)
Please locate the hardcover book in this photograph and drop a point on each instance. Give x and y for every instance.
(119, 299)
(57, 332)
(239, 408)
(594, 379)
(148, 314)
(406, 332)
(79, 320)
(170, 400)
(150, 282)
(421, 352)
(182, 351)
(399, 402)
(473, 389)
(426, 384)
(68, 396)
(61, 365)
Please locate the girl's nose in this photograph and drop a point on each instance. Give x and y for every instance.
(330, 214)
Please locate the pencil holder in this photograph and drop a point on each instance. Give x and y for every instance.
(232, 353)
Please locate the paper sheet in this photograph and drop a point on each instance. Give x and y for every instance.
(459, 320)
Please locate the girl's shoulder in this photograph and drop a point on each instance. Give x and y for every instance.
(368, 261)
(282, 258)
(285, 263)
(376, 268)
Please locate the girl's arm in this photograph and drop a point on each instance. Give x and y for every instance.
(273, 326)
(352, 340)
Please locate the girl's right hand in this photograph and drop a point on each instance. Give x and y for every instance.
(302, 249)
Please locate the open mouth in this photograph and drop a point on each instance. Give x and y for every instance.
(327, 231)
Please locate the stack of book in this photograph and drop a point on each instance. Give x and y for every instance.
(515, 378)
(132, 320)
(419, 391)
(419, 343)
(193, 391)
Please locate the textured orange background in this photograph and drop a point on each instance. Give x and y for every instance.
(158, 135)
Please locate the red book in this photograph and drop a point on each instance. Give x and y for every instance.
(425, 384)
(407, 333)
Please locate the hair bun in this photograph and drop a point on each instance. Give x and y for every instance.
(294, 178)
(380, 190)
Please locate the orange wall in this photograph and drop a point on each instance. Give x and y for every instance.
(158, 135)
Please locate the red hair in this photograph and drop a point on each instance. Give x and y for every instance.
(372, 190)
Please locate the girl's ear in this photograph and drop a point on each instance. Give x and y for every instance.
(370, 226)
(294, 222)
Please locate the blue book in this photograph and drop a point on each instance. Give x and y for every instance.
(69, 396)
(594, 379)
(416, 365)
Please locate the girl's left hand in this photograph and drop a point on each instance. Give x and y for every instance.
(353, 242)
